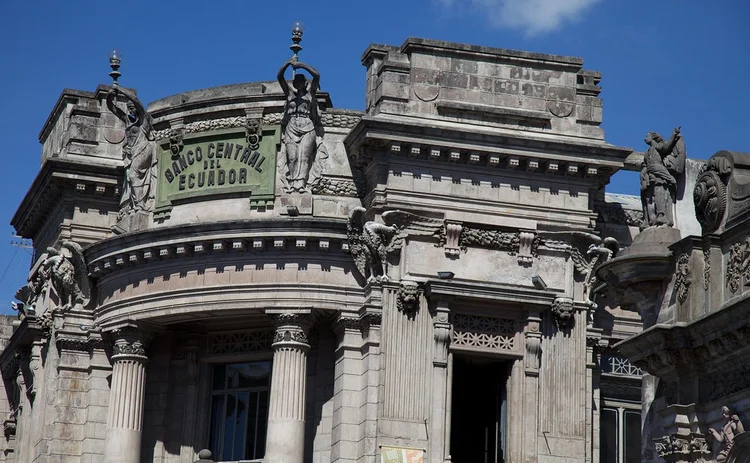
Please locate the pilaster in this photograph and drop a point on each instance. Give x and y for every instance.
(347, 387)
(439, 418)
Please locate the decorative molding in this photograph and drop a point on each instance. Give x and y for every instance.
(485, 333)
(408, 297)
(328, 119)
(240, 342)
(195, 245)
(677, 448)
(706, 268)
(335, 187)
(291, 331)
(619, 365)
(682, 278)
(734, 266)
(492, 239)
(563, 313)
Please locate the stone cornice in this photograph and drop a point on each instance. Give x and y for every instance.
(716, 338)
(22, 338)
(528, 298)
(57, 176)
(167, 243)
(441, 141)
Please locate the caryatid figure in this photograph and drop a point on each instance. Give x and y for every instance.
(138, 152)
(302, 132)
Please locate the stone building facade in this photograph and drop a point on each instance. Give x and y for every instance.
(249, 270)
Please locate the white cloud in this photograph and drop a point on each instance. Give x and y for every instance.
(534, 17)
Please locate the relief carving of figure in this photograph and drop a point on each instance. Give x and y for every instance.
(663, 162)
(302, 148)
(138, 152)
(725, 436)
(66, 271)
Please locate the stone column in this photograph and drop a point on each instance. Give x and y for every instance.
(439, 423)
(127, 391)
(285, 440)
(532, 360)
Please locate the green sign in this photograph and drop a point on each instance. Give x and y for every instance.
(218, 163)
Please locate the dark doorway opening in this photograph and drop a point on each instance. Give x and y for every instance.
(478, 411)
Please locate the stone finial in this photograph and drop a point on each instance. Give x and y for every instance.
(204, 456)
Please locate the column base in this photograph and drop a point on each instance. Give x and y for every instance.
(123, 446)
(285, 441)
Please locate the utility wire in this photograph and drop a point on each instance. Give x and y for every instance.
(12, 258)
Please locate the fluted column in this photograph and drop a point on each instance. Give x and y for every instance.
(285, 441)
(125, 419)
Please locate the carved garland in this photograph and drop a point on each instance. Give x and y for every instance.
(682, 278)
(734, 266)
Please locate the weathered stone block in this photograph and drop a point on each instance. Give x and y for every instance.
(506, 86)
(455, 80)
(484, 84)
(534, 90)
(425, 76)
(463, 66)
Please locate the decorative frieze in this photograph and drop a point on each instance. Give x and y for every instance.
(328, 119)
(486, 333)
(492, 239)
(153, 252)
(677, 448)
(706, 268)
(240, 342)
(735, 271)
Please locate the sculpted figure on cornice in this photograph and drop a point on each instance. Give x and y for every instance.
(302, 148)
(66, 271)
(597, 251)
(663, 162)
(138, 152)
(371, 243)
(725, 436)
(29, 294)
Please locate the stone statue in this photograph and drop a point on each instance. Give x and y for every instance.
(370, 243)
(725, 436)
(138, 153)
(663, 162)
(302, 146)
(29, 294)
(66, 270)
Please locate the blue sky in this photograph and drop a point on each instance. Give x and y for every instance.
(664, 63)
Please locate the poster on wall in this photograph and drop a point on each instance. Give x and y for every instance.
(401, 455)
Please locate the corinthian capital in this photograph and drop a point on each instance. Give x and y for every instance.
(130, 341)
(291, 330)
